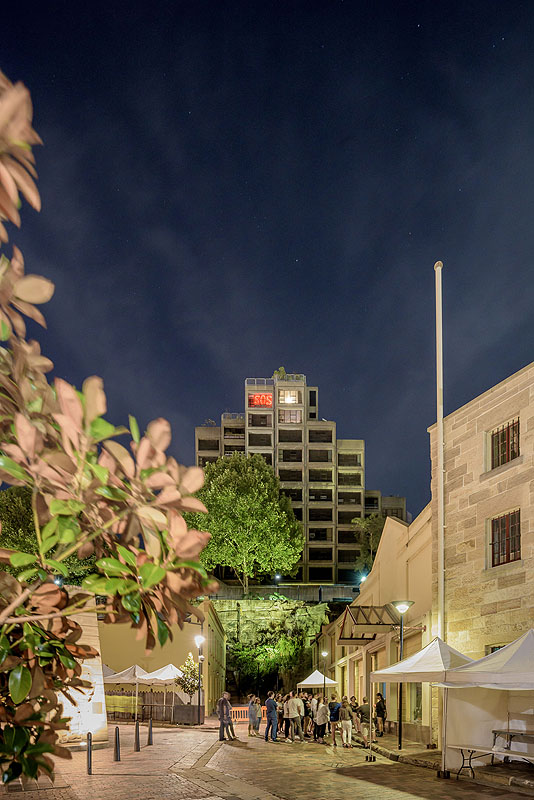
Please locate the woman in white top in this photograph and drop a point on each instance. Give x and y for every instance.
(321, 719)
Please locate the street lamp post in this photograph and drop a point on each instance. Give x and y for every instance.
(324, 655)
(199, 641)
(402, 607)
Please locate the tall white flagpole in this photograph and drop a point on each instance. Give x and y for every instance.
(438, 266)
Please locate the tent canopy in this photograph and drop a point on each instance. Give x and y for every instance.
(316, 681)
(129, 675)
(511, 667)
(427, 665)
(162, 676)
(107, 671)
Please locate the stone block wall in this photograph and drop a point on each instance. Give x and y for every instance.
(484, 605)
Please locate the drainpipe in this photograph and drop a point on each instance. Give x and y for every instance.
(438, 266)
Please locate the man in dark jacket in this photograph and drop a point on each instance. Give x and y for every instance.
(224, 712)
(272, 718)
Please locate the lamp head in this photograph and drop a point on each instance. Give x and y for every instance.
(324, 654)
(199, 641)
(402, 606)
(363, 578)
(277, 577)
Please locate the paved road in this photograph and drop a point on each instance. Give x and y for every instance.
(192, 765)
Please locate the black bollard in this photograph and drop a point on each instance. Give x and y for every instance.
(137, 745)
(150, 739)
(117, 748)
(89, 753)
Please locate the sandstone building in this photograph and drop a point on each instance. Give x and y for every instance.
(489, 516)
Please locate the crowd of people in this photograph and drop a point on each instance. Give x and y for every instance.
(308, 717)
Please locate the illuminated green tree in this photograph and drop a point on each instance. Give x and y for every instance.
(252, 525)
(188, 681)
(368, 533)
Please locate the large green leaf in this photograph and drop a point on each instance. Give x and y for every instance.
(49, 543)
(100, 472)
(15, 739)
(101, 429)
(49, 529)
(5, 647)
(134, 429)
(12, 468)
(112, 566)
(20, 683)
(163, 631)
(151, 574)
(66, 507)
(128, 556)
(67, 661)
(26, 575)
(58, 566)
(111, 493)
(131, 602)
(95, 583)
(22, 559)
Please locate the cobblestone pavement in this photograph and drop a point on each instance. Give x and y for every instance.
(192, 765)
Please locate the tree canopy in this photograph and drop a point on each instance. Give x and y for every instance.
(252, 525)
(18, 533)
(368, 532)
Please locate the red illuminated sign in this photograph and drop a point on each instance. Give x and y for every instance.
(263, 399)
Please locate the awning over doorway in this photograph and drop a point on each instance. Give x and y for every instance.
(361, 624)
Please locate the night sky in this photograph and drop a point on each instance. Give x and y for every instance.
(233, 186)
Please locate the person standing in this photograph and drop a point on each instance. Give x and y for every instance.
(224, 712)
(355, 718)
(272, 717)
(257, 705)
(288, 728)
(307, 716)
(321, 719)
(251, 715)
(293, 710)
(333, 707)
(345, 716)
(381, 713)
(313, 708)
(280, 711)
(364, 713)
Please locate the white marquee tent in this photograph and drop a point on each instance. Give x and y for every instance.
(494, 693)
(316, 681)
(129, 675)
(427, 665)
(107, 671)
(164, 676)
(511, 667)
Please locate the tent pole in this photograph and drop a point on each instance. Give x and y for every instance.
(444, 773)
(136, 695)
(164, 701)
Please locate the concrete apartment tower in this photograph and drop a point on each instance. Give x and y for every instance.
(324, 476)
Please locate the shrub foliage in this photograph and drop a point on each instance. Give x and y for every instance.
(89, 496)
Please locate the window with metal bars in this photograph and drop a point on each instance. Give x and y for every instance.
(505, 538)
(505, 443)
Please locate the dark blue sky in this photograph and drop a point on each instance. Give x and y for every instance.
(233, 186)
